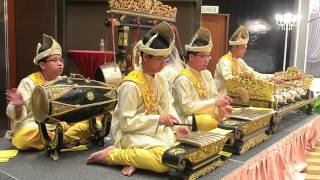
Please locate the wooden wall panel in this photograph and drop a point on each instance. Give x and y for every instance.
(32, 19)
(12, 44)
(218, 26)
(84, 24)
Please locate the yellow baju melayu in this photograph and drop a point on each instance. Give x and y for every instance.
(228, 67)
(139, 139)
(26, 133)
(195, 93)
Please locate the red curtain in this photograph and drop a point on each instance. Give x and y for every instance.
(89, 61)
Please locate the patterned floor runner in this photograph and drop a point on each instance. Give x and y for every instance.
(313, 161)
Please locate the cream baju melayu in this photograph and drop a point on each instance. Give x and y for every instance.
(172, 68)
(192, 100)
(139, 139)
(26, 133)
(228, 67)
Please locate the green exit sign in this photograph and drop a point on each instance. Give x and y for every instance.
(209, 9)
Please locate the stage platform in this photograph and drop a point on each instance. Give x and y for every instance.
(34, 165)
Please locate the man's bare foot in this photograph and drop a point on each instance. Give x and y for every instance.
(100, 156)
(128, 170)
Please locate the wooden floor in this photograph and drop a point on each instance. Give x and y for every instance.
(313, 161)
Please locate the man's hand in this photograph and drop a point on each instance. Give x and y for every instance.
(228, 99)
(220, 102)
(226, 110)
(277, 80)
(14, 97)
(182, 131)
(167, 120)
(224, 106)
(223, 111)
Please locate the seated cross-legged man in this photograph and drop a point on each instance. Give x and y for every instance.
(26, 135)
(232, 64)
(142, 125)
(194, 89)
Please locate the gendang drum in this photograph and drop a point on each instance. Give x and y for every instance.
(72, 99)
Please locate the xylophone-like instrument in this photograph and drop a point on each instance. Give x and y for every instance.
(196, 154)
(293, 93)
(251, 126)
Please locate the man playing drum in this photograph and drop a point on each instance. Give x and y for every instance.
(194, 90)
(26, 134)
(144, 116)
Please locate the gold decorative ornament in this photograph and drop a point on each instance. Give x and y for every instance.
(253, 142)
(148, 8)
(263, 93)
(258, 89)
(90, 95)
(176, 151)
(294, 76)
(205, 152)
(149, 93)
(207, 169)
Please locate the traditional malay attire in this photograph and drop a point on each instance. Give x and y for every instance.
(194, 91)
(140, 140)
(170, 71)
(172, 68)
(229, 66)
(26, 134)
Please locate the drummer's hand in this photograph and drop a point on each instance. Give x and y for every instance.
(167, 120)
(220, 102)
(14, 97)
(182, 131)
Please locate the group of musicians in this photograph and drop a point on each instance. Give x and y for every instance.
(146, 119)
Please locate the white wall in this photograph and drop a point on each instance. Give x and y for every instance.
(300, 35)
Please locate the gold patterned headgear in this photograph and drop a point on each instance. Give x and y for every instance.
(202, 33)
(239, 37)
(52, 47)
(165, 30)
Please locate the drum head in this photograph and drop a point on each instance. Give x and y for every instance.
(40, 104)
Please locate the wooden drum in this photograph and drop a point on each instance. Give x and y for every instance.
(72, 99)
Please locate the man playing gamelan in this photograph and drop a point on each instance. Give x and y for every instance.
(144, 116)
(26, 134)
(232, 64)
(194, 89)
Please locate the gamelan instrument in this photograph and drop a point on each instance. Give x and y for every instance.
(196, 155)
(293, 93)
(126, 15)
(72, 99)
(152, 9)
(109, 72)
(251, 126)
